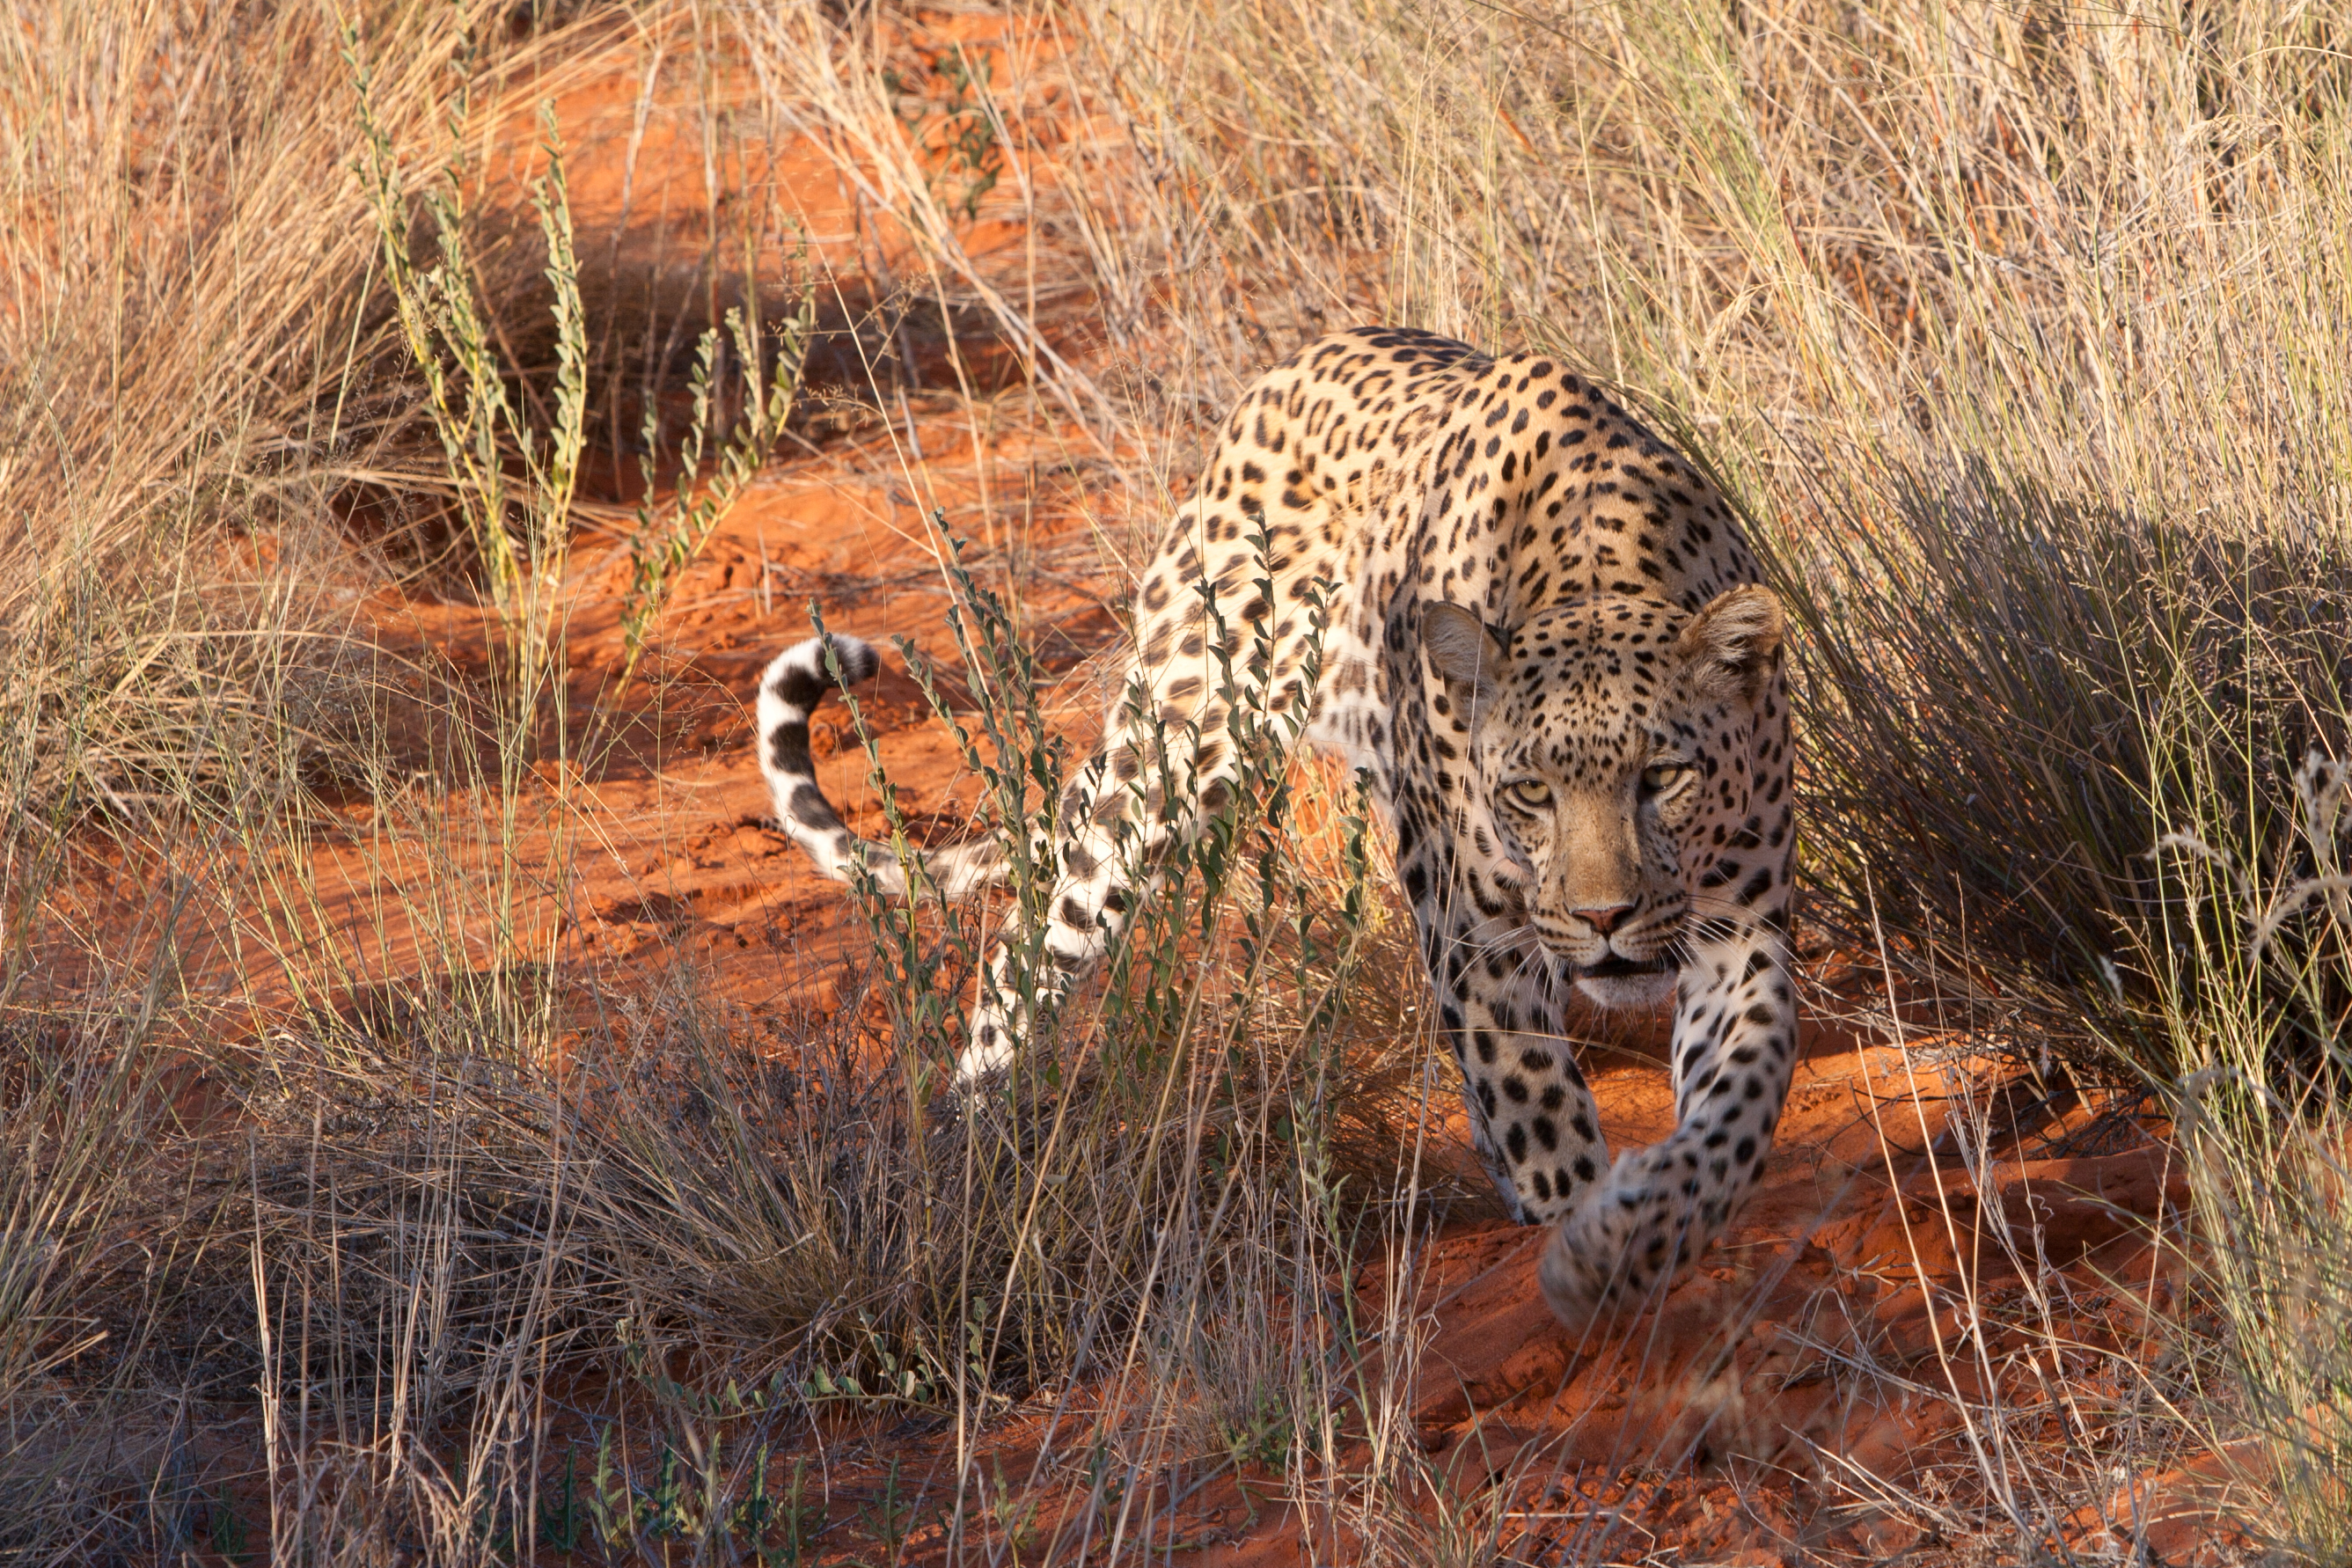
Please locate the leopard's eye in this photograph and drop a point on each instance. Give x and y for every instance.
(1531, 792)
(1660, 777)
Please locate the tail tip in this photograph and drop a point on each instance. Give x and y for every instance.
(859, 659)
(801, 674)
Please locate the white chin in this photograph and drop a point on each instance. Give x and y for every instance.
(1629, 990)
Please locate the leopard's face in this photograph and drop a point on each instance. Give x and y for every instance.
(1604, 742)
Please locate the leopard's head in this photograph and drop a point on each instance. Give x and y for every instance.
(1611, 745)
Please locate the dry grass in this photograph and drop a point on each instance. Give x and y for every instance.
(2019, 334)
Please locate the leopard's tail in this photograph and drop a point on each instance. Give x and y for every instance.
(795, 681)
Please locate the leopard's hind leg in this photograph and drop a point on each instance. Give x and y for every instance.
(1087, 911)
(1168, 765)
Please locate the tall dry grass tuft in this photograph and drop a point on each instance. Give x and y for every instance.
(2264, 946)
(202, 408)
(174, 351)
(79, 1114)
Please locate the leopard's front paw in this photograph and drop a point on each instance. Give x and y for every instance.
(1571, 1286)
(1601, 1255)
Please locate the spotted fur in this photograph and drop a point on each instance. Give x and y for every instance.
(1547, 649)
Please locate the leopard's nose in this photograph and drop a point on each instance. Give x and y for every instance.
(1604, 921)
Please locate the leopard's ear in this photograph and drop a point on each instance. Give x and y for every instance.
(1467, 653)
(1734, 643)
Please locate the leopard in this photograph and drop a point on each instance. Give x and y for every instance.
(1538, 635)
